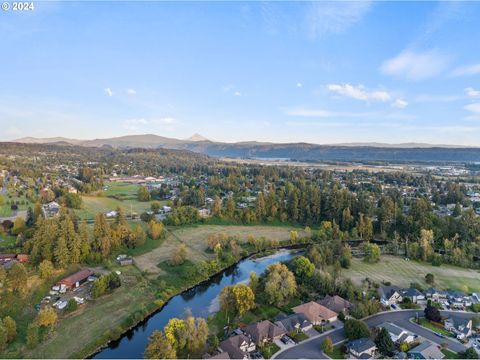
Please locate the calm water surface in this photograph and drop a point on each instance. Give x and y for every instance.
(200, 300)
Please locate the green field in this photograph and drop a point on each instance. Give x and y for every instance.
(6, 211)
(401, 273)
(121, 190)
(7, 241)
(195, 237)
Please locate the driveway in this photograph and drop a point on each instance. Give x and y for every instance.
(310, 348)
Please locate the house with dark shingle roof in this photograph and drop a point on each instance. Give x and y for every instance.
(389, 295)
(264, 331)
(461, 327)
(294, 322)
(238, 346)
(336, 303)
(413, 294)
(362, 348)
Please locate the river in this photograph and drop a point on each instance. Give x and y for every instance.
(200, 301)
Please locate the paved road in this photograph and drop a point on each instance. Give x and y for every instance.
(310, 349)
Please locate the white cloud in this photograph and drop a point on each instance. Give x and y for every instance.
(131, 91)
(108, 91)
(359, 92)
(299, 84)
(416, 65)
(466, 70)
(237, 93)
(335, 17)
(475, 108)
(400, 104)
(471, 92)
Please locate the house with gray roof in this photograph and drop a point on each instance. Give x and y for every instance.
(426, 350)
(362, 348)
(389, 295)
(397, 334)
(295, 322)
(461, 327)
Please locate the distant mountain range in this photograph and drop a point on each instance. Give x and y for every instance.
(298, 151)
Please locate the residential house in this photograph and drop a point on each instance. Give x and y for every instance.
(397, 334)
(461, 327)
(413, 294)
(317, 314)
(435, 294)
(362, 348)
(238, 346)
(426, 350)
(51, 209)
(458, 299)
(389, 295)
(294, 323)
(264, 331)
(336, 304)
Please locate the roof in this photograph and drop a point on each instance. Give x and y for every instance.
(335, 303)
(411, 292)
(232, 346)
(432, 291)
(360, 345)
(458, 321)
(264, 330)
(391, 328)
(78, 276)
(388, 291)
(314, 311)
(427, 350)
(289, 323)
(220, 355)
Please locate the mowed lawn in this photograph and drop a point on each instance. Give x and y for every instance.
(195, 238)
(401, 273)
(75, 332)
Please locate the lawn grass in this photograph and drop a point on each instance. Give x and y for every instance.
(427, 324)
(121, 190)
(401, 273)
(450, 354)
(268, 350)
(5, 209)
(7, 241)
(298, 336)
(337, 352)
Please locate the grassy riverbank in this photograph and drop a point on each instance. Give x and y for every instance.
(83, 332)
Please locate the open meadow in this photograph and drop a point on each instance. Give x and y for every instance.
(121, 195)
(400, 272)
(195, 238)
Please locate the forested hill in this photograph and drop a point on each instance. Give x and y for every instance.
(295, 151)
(337, 153)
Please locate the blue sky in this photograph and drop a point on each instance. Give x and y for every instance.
(233, 71)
